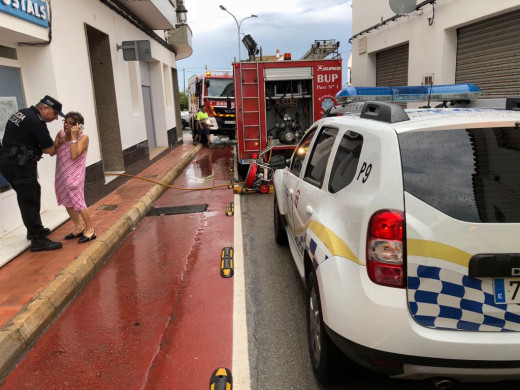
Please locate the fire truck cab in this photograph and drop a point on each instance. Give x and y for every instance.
(213, 89)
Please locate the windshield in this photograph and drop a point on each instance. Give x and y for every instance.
(471, 175)
(219, 87)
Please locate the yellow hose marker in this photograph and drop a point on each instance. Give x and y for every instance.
(230, 209)
(221, 379)
(237, 189)
(226, 262)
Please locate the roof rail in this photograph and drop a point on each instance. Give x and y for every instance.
(404, 94)
(384, 112)
(378, 111)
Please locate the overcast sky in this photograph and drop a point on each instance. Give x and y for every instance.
(291, 26)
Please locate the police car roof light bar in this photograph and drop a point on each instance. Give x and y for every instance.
(403, 94)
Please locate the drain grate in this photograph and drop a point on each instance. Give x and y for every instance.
(107, 207)
(196, 208)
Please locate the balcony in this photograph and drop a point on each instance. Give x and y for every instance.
(180, 40)
(157, 14)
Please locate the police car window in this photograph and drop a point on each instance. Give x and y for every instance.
(301, 151)
(471, 175)
(346, 161)
(320, 156)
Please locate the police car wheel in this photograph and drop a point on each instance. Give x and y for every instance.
(280, 234)
(325, 357)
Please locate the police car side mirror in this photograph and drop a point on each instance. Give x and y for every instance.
(278, 162)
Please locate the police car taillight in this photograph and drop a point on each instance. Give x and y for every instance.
(385, 254)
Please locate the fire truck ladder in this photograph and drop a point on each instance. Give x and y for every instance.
(320, 49)
(250, 99)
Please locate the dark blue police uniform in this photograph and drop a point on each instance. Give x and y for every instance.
(25, 136)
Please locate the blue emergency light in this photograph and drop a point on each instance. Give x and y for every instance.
(403, 94)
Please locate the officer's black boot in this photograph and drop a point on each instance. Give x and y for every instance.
(44, 233)
(41, 243)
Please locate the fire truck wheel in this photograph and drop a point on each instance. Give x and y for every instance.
(251, 175)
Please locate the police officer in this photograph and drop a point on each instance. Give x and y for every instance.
(26, 138)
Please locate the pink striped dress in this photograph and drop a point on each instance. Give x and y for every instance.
(69, 182)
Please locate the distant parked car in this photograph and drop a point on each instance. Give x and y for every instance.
(185, 118)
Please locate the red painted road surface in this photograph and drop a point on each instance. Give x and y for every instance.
(158, 315)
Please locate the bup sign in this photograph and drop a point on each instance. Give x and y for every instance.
(327, 83)
(327, 78)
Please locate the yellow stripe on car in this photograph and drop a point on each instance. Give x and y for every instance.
(437, 250)
(333, 243)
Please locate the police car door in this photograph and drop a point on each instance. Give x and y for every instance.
(309, 193)
(292, 178)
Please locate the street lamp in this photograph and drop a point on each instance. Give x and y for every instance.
(239, 63)
(238, 26)
(181, 12)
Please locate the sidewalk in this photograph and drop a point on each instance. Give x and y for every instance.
(35, 287)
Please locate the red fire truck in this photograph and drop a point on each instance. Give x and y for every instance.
(213, 89)
(277, 101)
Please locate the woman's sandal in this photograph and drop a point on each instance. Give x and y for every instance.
(87, 239)
(71, 236)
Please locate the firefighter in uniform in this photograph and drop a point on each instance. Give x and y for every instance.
(25, 139)
(202, 127)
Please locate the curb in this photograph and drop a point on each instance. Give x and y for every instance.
(27, 325)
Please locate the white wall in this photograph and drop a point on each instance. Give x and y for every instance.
(62, 70)
(432, 48)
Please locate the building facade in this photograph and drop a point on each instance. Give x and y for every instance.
(115, 61)
(439, 42)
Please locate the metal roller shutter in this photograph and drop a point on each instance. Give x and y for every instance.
(302, 73)
(488, 54)
(392, 66)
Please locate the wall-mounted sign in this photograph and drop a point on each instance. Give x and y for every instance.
(34, 11)
(136, 50)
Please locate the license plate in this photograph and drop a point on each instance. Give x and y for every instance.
(507, 290)
(229, 122)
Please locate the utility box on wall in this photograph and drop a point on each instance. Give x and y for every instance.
(136, 50)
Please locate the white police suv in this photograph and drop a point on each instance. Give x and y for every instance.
(405, 226)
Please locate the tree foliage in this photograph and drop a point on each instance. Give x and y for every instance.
(183, 99)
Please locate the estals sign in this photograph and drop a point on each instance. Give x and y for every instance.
(33, 11)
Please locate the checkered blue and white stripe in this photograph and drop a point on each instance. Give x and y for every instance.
(444, 299)
(313, 246)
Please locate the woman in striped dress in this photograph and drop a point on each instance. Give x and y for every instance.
(71, 145)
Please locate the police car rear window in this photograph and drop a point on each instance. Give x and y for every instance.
(472, 175)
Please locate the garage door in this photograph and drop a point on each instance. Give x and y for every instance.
(392, 66)
(488, 54)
